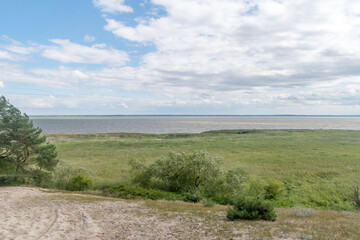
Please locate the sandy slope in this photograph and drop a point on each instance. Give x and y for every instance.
(31, 213)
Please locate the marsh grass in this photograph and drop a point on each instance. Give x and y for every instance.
(317, 167)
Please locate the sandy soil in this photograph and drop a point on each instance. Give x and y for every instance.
(34, 213)
(31, 213)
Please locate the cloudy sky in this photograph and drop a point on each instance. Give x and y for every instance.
(181, 57)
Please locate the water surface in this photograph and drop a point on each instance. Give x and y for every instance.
(188, 124)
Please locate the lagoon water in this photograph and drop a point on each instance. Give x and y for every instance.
(188, 124)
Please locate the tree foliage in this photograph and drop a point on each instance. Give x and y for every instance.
(22, 147)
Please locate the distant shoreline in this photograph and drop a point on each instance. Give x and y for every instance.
(164, 115)
(188, 123)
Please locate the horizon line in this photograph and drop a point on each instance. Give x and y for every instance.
(195, 115)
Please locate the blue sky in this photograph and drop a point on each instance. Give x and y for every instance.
(181, 57)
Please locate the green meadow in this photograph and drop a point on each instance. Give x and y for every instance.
(318, 168)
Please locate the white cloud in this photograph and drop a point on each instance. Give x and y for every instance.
(256, 56)
(237, 44)
(69, 52)
(2, 85)
(89, 38)
(16, 51)
(7, 56)
(112, 6)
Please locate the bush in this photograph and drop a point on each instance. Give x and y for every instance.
(64, 172)
(223, 188)
(41, 178)
(179, 172)
(192, 196)
(223, 200)
(132, 192)
(251, 208)
(7, 180)
(207, 202)
(254, 187)
(79, 183)
(197, 175)
(274, 189)
(299, 211)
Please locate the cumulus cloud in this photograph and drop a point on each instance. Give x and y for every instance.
(2, 85)
(252, 57)
(68, 52)
(235, 44)
(112, 6)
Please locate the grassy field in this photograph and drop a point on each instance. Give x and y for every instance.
(318, 167)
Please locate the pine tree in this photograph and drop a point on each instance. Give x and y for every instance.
(22, 146)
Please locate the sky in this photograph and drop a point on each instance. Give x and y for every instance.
(236, 57)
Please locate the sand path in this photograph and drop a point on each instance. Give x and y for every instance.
(29, 213)
(32, 213)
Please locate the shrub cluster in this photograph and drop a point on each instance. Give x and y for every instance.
(251, 208)
(198, 175)
(133, 192)
(67, 177)
(179, 172)
(6, 179)
(79, 183)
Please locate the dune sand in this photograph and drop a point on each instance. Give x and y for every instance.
(32, 213)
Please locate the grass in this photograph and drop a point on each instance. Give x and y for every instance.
(299, 211)
(318, 167)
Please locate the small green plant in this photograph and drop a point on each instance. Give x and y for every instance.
(254, 187)
(207, 202)
(274, 189)
(299, 211)
(7, 180)
(79, 183)
(227, 185)
(64, 172)
(356, 197)
(251, 208)
(192, 196)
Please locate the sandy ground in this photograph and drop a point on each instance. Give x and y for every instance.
(31, 213)
(34, 213)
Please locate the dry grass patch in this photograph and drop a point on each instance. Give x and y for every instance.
(321, 225)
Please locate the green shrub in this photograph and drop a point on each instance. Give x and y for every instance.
(179, 172)
(41, 178)
(274, 189)
(8, 180)
(223, 188)
(254, 187)
(79, 183)
(223, 200)
(299, 211)
(251, 208)
(133, 192)
(192, 196)
(207, 202)
(64, 172)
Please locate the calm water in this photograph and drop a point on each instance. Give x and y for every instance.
(188, 124)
